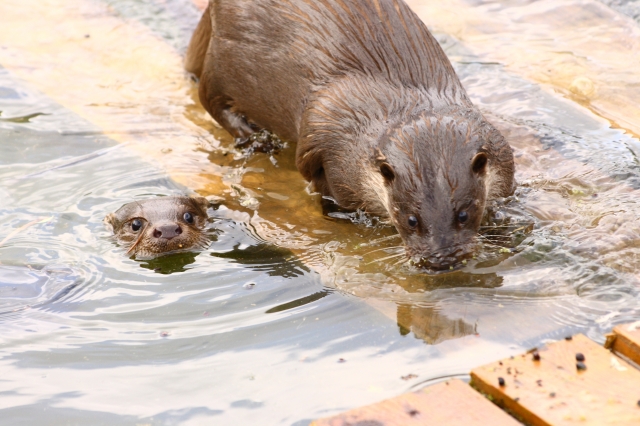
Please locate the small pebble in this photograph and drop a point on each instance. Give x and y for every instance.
(581, 366)
(552, 394)
(580, 357)
(165, 334)
(516, 399)
(568, 338)
(500, 381)
(639, 403)
(536, 356)
(413, 413)
(249, 286)
(341, 360)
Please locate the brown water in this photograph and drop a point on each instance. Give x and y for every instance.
(96, 111)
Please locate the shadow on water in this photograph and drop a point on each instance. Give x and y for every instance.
(23, 119)
(170, 263)
(300, 302)
(264, 257)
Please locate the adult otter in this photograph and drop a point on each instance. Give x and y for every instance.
(380, 119)
(157, 226)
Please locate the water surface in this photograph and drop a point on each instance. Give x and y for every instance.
(289, 315)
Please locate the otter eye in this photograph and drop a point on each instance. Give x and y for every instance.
(136, 224)
(413, 221)
(463, 217)
(188, 217)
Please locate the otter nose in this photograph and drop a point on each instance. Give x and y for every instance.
(167, 231)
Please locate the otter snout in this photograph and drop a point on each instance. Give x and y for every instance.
(167, 230)
(445, 258)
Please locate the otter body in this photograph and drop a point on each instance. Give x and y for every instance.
(381, 121)
(157, 226)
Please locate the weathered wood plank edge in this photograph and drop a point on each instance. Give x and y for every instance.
(565, 382)
(624, 340)
(451, 403)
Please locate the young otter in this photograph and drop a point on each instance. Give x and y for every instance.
(380, 119)
(157, 226)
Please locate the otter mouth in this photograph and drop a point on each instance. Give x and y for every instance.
(442, 262)
(151, 248)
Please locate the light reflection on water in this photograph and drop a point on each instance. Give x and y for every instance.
(255, 325)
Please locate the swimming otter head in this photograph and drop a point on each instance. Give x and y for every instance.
(434, 174)
(157, 226)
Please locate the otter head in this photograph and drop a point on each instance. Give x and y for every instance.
(157, 226)
(434, 174)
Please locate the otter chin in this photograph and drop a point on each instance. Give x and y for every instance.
(380, 118)
(158, 226)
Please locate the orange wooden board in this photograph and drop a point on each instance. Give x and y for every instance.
(450, 403)
(552, 391)
(627, 341)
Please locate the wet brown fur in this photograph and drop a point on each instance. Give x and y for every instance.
(379, 116)
(157, 215)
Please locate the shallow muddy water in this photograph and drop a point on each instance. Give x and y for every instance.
(290, 314)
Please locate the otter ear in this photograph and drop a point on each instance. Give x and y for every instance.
(387, 172)
(110, 222)
(385, 168)
(201, 202)
(479, 163)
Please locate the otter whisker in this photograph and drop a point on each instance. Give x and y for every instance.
(488, 237)
(510, 225)
(490, 245)
(400, 262)
(504, 238)
(139, 238)
(379, 240)
(384, 248)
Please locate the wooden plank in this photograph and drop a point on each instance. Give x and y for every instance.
(552, 391)
(627, 341)
(450, 403)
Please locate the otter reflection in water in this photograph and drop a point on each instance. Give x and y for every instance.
(158, 226)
